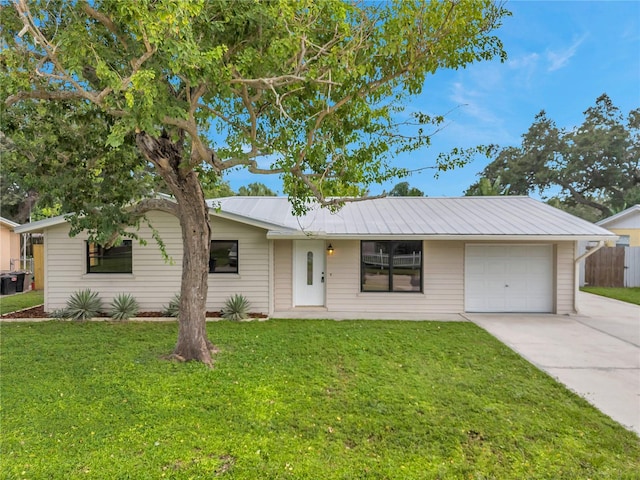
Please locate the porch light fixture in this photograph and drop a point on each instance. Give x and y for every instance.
(330, 249)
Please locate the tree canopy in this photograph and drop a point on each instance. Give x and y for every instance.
(592, 170)
(403, 189)
(306, 90)
(484, 188)
(256, 189)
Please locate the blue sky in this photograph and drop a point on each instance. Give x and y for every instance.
(562, 55)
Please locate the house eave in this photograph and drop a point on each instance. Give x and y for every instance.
(618, 216)
(40, 225)
(8, 223)
(293, 235)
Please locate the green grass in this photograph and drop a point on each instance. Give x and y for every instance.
(629, 295)
(293, 399)
(12, 303)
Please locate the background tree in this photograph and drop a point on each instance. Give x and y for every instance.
(485, 188)
(53, 157)
(201, 87)
(256, 189)
(591, 170)
(403, 189)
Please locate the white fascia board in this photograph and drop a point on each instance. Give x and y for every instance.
(300, 235)
(8, 223)
(41, 225)
(280, 235)
(618, 216)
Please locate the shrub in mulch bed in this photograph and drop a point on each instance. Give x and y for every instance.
(38, 312)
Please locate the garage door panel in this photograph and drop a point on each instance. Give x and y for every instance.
(476, 267)
(509, 278)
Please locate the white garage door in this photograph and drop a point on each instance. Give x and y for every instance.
(509, 278)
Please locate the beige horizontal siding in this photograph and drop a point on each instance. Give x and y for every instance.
(443, 282)
(154, 282)
(565, 278)
(444, 276)
(283, 274)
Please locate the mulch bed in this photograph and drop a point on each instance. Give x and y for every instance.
(35, 312)
(38, 312)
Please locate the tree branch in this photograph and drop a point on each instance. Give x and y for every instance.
(581, 199)
(106, 21)
(148, 204)
(43, 95)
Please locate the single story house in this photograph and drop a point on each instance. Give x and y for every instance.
(625, 224)
(392, 257)
(9, 244)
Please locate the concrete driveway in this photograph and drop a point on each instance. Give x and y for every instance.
(595, 353)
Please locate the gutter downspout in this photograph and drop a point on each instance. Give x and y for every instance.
(576, 272)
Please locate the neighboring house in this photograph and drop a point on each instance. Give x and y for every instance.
(626, 225)
(618, 266)
(9, 244)
(390, 256)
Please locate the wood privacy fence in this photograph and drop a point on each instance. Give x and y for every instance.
(613, 267)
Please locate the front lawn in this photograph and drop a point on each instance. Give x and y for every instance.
(19, 301)
(629, 295)
(293, 399)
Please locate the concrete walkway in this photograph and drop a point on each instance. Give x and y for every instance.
(595, 353)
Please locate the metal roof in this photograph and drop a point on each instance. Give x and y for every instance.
(635, 209)
(40, 225)
(469, 217)
(504, 217)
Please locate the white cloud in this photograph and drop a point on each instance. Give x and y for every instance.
(524, 69)
(559, 58)
(527, 61)
(470, 101)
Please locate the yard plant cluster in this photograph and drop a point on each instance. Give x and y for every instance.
(86, 304)
(293, 399)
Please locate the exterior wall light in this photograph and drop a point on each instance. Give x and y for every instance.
(330, 249)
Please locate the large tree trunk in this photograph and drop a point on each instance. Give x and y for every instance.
(193, 343)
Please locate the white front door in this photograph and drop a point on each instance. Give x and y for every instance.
(308, 273)
(509, 278)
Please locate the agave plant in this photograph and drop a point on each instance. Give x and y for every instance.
(60, 314)
(83, 304)
(124, 306)
(173, 309)
(236, 308)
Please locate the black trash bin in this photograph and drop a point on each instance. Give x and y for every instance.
(8, 284)
(19, 281)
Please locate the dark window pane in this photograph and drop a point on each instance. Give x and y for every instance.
(375, 266)
(117, 259)
(223, 257)
(407, 265)
(309, 268)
